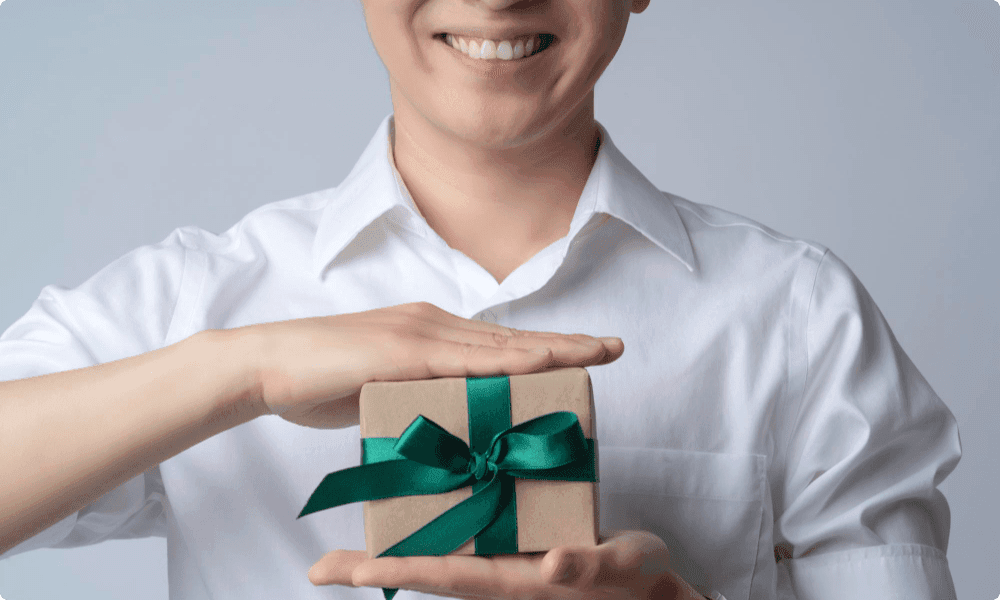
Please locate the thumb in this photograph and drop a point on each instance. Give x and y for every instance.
(620, 554)
(569, 569)
(570, 566)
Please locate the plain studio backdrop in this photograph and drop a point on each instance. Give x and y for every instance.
(870, 126)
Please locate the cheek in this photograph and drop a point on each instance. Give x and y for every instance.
(392, 32)
(597, 29)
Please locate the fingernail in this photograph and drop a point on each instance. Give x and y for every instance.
(611, 340)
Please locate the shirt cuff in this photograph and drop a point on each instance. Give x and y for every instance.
(911, 571)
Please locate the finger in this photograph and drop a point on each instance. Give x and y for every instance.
(455, 575)
(467, 331)
(635, 559)
(335, 568)
(571, 567)
(615, 348)
(451, 359)
(619, 561)
(574, 350)
(574, 346)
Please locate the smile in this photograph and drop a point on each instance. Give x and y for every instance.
(498, 50)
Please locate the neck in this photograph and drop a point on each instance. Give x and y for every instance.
(474, 194)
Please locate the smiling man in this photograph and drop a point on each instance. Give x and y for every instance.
(765, 437)
(493, 139)
(493, 106)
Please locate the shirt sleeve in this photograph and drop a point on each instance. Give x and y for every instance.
(124, 310)
(860, 515)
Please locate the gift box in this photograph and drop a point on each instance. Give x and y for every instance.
(543, 513)
(491, 465)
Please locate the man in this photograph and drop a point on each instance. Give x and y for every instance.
(764, 438)
(495, 150)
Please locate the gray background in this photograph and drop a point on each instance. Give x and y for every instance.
(870, 126)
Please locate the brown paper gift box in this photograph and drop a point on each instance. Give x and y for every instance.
(549, 513)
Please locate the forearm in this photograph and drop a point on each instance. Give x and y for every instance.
(68, 438)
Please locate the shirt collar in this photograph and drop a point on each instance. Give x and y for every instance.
(615, 186)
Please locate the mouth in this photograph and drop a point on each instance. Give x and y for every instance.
(511, 50)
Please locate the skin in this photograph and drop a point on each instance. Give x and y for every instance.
(496, 165)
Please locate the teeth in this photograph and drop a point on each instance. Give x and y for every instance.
(489, 49)
(504, 51)
(482, 49)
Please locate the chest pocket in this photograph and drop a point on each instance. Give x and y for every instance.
(706, 506)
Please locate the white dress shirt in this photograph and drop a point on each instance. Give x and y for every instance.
(763, 420)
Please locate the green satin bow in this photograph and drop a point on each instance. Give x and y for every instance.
(427, 459)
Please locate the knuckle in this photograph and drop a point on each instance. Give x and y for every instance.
(511, 332)
(409, 326)
(505, 335)
(413, 309)
(500, 339)
(426, 307)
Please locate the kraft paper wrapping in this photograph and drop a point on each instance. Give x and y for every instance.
(549, 513)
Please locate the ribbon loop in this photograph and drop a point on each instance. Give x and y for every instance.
(426, 442)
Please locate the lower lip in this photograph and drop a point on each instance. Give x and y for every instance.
(496, 66)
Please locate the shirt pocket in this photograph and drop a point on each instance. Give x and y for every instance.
(707, 507)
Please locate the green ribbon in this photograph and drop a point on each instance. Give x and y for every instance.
(427, 459)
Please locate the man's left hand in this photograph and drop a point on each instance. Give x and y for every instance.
(626, 565)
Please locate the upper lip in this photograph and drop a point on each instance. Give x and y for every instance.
(503, 34)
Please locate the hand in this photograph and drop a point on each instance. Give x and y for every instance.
(310, 371)
(627, 565)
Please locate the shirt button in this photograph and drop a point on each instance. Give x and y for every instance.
(488, 316)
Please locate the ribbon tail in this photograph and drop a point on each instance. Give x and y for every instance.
(457, 525)
(375, 481)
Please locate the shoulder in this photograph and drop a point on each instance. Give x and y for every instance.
(283, 224)
(729, 244)
(821, 289)
(144, 298)
(290, 223)
(710, 224)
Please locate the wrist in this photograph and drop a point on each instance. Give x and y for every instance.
(232, 355)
